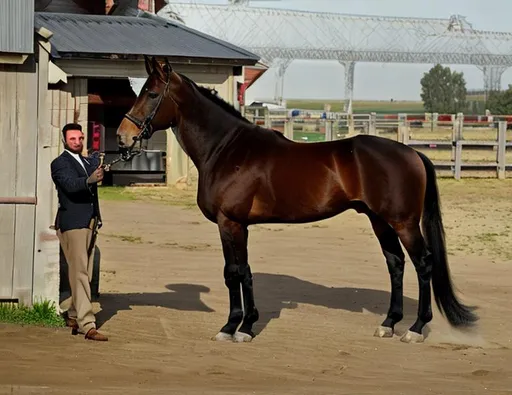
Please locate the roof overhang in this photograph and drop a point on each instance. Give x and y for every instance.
(129, 38)
(56, 74)
(119, 68)
(253, 73)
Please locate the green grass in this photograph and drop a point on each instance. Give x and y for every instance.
(169, 195)
(115, 193)
(360, 106)
(39, 314)
(311, 136)
(367, 106)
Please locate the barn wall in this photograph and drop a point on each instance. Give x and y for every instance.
(46, 251)
(18, 153)
(66, 103)
(17, 26)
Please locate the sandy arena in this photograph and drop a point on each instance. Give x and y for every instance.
(321, 289)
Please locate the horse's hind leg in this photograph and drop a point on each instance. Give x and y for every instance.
(413, 241)
(391, 249)
(237, 274)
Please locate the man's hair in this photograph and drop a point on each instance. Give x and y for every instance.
(70, 126)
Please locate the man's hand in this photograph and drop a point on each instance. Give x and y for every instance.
(95, 177)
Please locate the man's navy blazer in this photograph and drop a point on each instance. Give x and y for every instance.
(78, 200)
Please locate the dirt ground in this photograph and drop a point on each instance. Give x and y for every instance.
(321, 289)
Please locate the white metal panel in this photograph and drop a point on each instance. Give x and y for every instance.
(17, 26)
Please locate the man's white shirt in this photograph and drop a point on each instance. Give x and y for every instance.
(77, 157)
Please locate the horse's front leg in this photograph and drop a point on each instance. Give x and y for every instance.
(237, 277)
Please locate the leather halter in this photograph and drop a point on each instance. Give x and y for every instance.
(145, 127)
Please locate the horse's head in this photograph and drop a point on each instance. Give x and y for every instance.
(153, 110)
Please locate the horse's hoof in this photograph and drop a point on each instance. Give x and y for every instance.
(241, 337)
(223, 337)
(412, 337)
(383, 331)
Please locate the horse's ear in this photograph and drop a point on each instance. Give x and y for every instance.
(147, 63)
(155, 64)
(168, 67)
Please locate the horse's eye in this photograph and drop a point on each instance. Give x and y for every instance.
(153, 95)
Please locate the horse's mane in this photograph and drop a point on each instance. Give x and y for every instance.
(208, 93)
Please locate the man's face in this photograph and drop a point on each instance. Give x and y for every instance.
(75, 141)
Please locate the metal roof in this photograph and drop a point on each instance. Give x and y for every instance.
(17, 26)
(85, 35)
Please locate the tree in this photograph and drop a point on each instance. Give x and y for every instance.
(443, 91)
(500, 102)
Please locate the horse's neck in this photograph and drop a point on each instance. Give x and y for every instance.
(199, 135)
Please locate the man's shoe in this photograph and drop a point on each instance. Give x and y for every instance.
(71, 322)
(93, 334)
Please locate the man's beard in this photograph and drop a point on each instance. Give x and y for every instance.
(78, 151)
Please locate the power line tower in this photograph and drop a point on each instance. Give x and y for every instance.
(280, 36)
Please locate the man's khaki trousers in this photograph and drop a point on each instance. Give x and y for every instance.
(75, 244)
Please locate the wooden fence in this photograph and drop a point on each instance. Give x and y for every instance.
(403, 128)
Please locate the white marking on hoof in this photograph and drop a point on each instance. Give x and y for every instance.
(241, 337)
(412, 337)
(223, 337)
(383, 331)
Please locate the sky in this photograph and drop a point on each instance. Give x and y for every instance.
(377, 81)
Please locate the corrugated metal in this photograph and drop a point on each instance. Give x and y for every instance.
(125, 35)
(17, 26)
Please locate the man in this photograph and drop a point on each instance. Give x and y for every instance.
(77, 219)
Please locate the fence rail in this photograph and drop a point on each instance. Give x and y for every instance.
(403, 127)
(18, 200)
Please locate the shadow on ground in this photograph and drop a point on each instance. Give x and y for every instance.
(186, 297)
(273, 293)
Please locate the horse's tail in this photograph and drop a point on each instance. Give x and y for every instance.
(457, 314)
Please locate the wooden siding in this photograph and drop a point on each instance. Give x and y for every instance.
(17, 26)
(46, 252)
(18, 150)
(67, 104)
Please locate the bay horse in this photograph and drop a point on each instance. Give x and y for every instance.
(249, 175)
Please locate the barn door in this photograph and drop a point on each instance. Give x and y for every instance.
(18, 143)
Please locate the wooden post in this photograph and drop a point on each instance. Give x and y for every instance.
(460, 117)
(176, 161)
(328, 130)
(456, 134)
(458, 159)
(350, 124)
(46, 244)
(407, 131)
(458, 125)
(434, 120)
(502, 149)
(168, 156)
(372, 128)
(288, 128)
(403, 132)
(268, 121)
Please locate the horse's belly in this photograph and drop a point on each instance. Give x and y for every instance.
(296, 203)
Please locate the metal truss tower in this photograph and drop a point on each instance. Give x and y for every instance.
(280, 36)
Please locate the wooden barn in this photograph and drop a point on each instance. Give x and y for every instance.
(74, 60)
(29, 251)
(100, 58)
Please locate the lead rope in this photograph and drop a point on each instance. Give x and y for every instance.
(131, 154)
